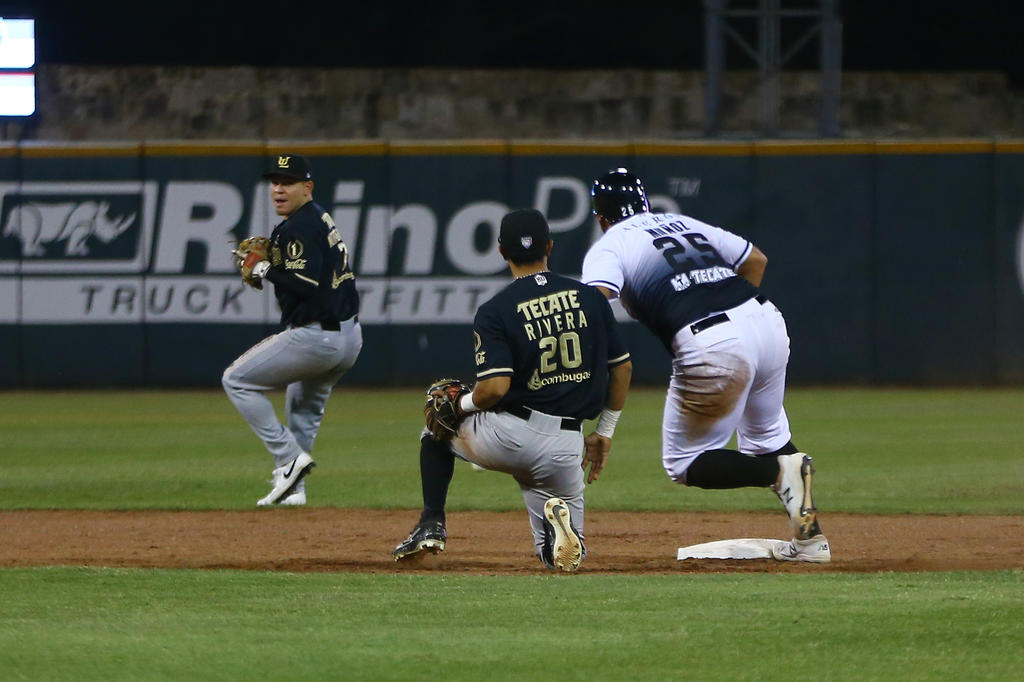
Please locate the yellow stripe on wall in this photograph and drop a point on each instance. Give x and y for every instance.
(448, 147)
(1010, 147)
(933, 147)
(556, 148)
(44, 150)
(218, 148)
(351, 148)
(692, 148)
(811, 147)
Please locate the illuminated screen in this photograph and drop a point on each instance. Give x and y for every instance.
(17, 67)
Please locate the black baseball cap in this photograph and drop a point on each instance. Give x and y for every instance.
(524, 234)
(290, 166)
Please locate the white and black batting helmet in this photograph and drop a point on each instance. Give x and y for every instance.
(617, 195)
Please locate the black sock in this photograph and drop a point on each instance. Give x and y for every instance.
(723, 469)
(437, 464)
(787, 449)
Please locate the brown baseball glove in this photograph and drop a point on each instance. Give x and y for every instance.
(441, 411)
(249, 252)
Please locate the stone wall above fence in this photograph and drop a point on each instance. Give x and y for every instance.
(146, 103)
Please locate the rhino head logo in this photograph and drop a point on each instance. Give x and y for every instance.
(37, 224)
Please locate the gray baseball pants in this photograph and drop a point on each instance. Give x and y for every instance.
(306, 361)
(544, 459)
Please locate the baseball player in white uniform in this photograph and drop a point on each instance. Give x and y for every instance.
(694, 286)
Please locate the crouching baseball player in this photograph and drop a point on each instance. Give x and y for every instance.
(548, 356)
(695, 286)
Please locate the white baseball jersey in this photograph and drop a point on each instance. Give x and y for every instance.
(677, 275)
(669, 270)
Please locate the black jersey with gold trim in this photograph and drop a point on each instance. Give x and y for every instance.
(556, 338)
(310, 269)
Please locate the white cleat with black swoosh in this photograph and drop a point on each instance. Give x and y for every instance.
(287, 478)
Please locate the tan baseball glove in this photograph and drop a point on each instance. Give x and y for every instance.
(441, 411)
(249, 253)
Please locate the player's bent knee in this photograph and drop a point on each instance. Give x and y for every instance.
(677, 467)
(229, 382)
(787, 449)
(233, 385)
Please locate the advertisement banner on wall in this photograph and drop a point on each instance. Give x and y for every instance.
(158, 250)
(137, 238)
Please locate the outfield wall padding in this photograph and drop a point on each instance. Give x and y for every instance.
(895, 262)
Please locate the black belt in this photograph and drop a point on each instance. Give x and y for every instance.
(568, 423)
(709, 322)
(334, 325)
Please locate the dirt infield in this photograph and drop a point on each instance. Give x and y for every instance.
(360, 540)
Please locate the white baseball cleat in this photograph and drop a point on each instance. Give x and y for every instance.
(297, 497)
(794, 491)
(814, 550)
(287, 478)
(566, 550)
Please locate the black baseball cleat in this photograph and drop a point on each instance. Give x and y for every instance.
(563, 549)
(425, 537)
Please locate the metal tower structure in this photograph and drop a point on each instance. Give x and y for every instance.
(769, 57)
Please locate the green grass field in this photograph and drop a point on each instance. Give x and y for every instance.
(79, 624)
(877, 451)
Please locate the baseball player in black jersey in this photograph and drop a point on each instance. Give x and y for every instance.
(696, 287)
(548, 355)
(308, 264)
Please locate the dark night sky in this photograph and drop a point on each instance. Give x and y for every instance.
(667, 34)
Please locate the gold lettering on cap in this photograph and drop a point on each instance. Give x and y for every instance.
(283, 161)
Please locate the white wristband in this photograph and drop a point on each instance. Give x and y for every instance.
(606, 422)
(467, 403)
(259, 271)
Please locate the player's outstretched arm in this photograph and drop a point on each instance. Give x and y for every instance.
(598, 444)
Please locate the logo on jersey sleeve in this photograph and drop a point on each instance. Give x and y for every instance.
(481, 355)
(337, 279)
(294, 250)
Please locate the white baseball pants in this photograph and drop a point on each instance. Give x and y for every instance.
(727, 378)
